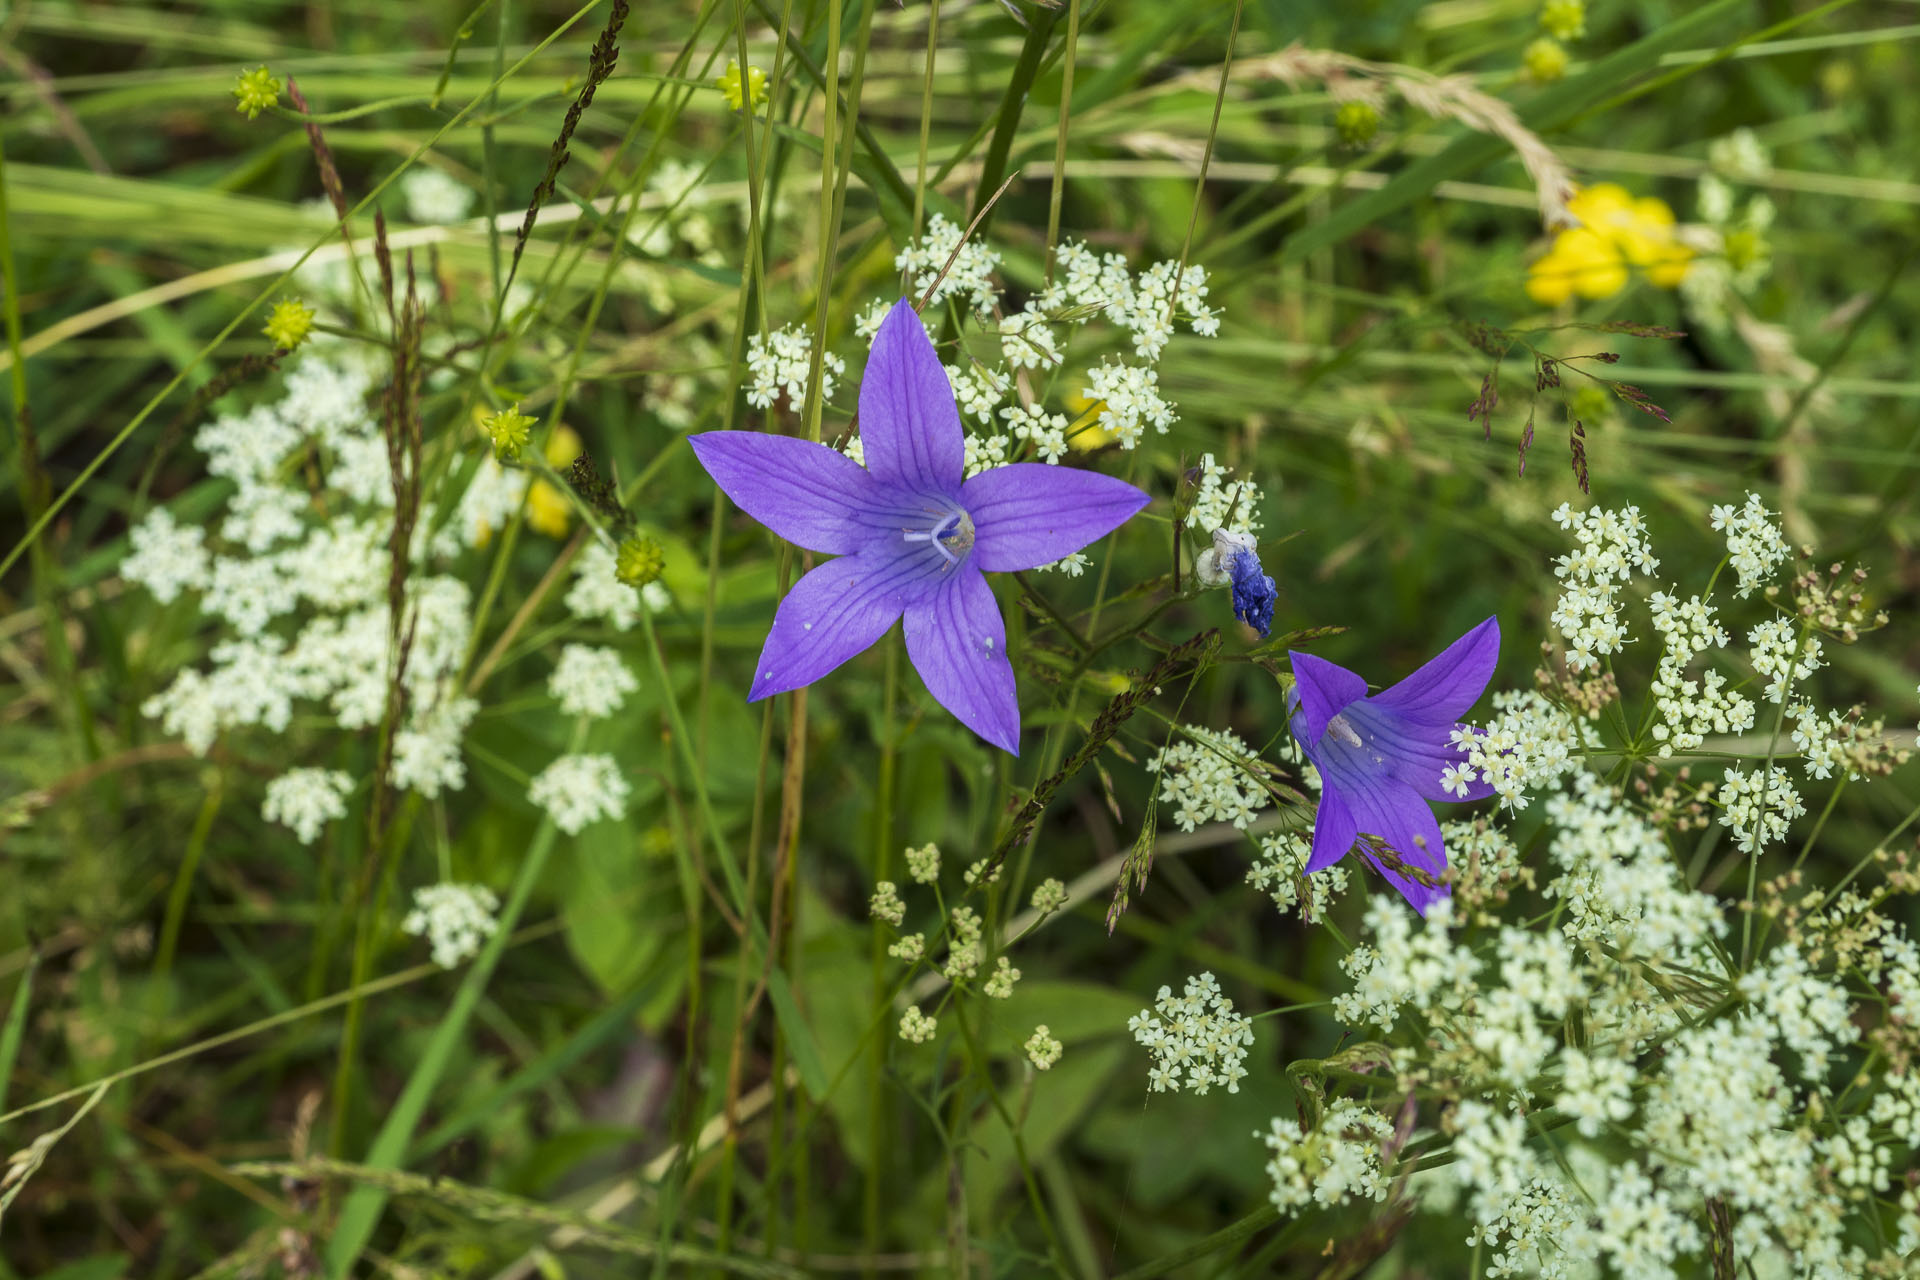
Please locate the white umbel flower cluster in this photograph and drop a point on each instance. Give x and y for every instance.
(917, 1027)
(454, 918)
(1208, 778)
(1336, 1161)
(1197, 1031)
(1280, 872)
(167, 558)
(1133, 400)
(1759, 805)
(306, 800)
(1687, 710)
(1783, 656)
(1529, 744)
(1223, 503)
(590, 681)
(782, 363)
(434, 196)
(1610, 549)
(576, 790)
(1146, 306)
(970, 279)
(1755, 545)
(298, 574)
(598, 593)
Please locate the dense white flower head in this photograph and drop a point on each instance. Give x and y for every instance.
(590, 681)
(426, 753)
(1223, 503)
(579, 789)
(1132, 396)
(1147, 306)
(1206, 777)
(970, 279)
(598, 593)
(1528, 745)
(1336, 1161)
(1610, 549)
(456, 919)
(1686, 710)
(1046, 432)
(167, 558)
(1280, 872)
(1027, 340)
(782, 363)
(306, 800)
(1783, 656)
(977, 389)
(1758, 805)
(1755, 546)
(1196, 1033)
(433, 195)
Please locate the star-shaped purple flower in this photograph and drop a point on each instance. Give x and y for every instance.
(913, 536)
(1383, 757)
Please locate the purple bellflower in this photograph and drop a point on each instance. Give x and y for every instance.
(913, 537)
(1383, 757)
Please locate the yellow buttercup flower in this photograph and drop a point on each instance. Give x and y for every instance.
(548, 511)
(1091, 436)
(1617, 234)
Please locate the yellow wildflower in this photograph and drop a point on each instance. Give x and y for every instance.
(1087, 437)
(289, 323)
(548, 511)
(255, 91)
(756, 85)
(1616, 233)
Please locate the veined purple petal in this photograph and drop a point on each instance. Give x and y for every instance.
(1333, 828)
(1325, 689)
(1027, 514)
(1414, 753)
(1384, 807)
(807, 493)
(958, 643)
(1441, 691)
(834, 612)
(909, 424)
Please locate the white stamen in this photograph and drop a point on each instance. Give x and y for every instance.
(1343, 732)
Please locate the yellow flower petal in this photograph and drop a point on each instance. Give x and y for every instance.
(547, 510)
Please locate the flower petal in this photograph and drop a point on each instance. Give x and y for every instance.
(807, 493)
(836, 611)
(958, 643)
(1441, 691)
(909, 424)
(1027, 514)
(1411, 752)
(1324, 690)
(1392, 811)
(1333, 828)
